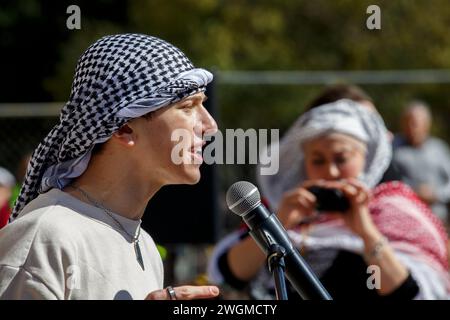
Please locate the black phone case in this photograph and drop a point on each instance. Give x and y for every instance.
(330, 199)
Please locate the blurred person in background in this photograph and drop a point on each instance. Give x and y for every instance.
(75, 230)
(343, 145)
(342, 91)
(21, 172)
(423, 161)
(355, 93)
(7, 183)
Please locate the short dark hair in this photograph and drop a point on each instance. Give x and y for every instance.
(98, 148)
(149, 115)
(337, 92)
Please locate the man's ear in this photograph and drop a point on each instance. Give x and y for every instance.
(125, 135)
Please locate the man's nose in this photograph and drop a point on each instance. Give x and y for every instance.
(209, 125)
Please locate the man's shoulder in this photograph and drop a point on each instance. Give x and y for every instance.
(48, 217)
(438, 143)
(149, 239)
(40, 245)
(49, 225)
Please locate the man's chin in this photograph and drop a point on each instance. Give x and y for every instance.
(192, 176)
(196, 179)
(188, 176)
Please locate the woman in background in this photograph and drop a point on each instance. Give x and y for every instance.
(343, 145)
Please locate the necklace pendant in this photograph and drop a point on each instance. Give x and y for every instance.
(137, 249)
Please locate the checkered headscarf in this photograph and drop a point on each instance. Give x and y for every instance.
(118, 78)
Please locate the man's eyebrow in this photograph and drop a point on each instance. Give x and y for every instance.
(203, 97)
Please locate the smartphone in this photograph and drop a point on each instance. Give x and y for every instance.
(330, 199)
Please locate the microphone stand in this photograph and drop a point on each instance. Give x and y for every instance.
(275, 261)
(301, 276)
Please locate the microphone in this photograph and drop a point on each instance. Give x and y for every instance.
(243, 199)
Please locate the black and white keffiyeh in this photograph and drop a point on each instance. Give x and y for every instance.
(118, 78)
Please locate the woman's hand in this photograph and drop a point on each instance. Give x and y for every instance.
(297, 204)
(357, 218)
(185, 293)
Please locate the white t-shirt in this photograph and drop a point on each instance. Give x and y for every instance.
(63, 248)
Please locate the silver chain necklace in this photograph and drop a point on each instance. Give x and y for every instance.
(135, 238)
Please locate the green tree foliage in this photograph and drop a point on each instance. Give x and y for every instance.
(254, 35)
(304, 35)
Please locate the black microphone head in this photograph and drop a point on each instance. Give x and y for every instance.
(243, 197)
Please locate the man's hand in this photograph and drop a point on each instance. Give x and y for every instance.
(186, 293)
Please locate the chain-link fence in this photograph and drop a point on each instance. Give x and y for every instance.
(23, 127)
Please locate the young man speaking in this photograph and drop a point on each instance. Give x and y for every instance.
(76, 228)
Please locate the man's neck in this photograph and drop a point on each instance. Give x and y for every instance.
(418, 145)
(121, 190)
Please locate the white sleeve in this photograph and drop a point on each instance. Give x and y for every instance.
(19, 284)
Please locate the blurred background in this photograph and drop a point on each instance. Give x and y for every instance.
(269, 59)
